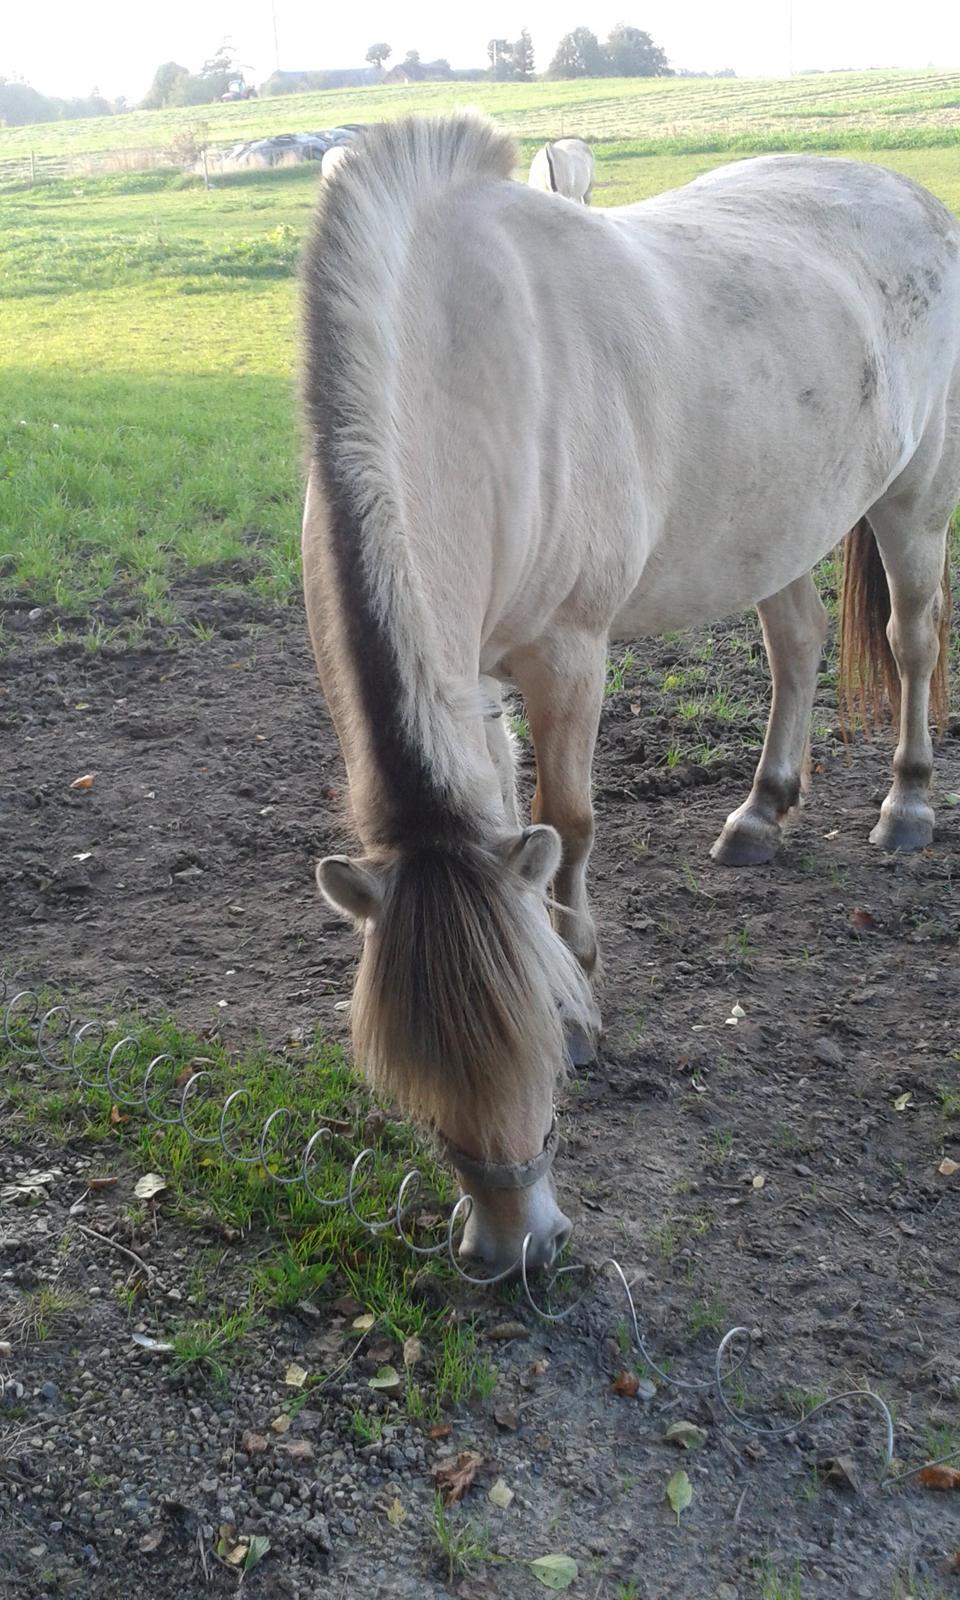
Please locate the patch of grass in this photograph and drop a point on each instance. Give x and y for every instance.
(722, 1141)
(709, 1313)
(949, 1100)
(367, 1426)
(462, 1546)
(41, 1312)
(204, 1345)
(616, 672)
(802, 1401)
(778, 1585)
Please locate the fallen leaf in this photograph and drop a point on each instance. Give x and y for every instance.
(31, 1186)
(506, 1418)
(412, 1351)
(679, 1493)
(6, 1349)
(365, 1323)
(295, 1376)
(441, 1430)
(380, 1355)
(626, 1384)
(955, 1563)
(500, 1494)
(951, 798)
(864, 920)
(947, 1168)
(297, 1449)
(554, 1572)
(95, 1184)
(159, 1346)
(508, 1330)
(116, 1117)
(685, 1434)
(151, 1541)
(454, 1480)
(235, 1555)
(252, 1444)
(840, 1470)
(387, 1380)
(149, 1185)
(395, 1512)
(227, 1538)
(939, 1477)
(259, 1545)
(184, 1077)
(738, 1011)
(538, 1368)
(83, 855)
(281, 1424)
(902, 1101)
(86, 782)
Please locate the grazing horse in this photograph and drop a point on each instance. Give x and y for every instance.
(530, 431)
(564, 166)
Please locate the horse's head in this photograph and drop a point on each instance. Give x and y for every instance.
(459, 1013)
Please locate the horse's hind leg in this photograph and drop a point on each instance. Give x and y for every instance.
(500, 751)
(914, 566)
(794, 626)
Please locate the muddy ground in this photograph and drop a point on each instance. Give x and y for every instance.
(767, 1172)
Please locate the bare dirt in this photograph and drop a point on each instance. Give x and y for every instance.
(766, 1172)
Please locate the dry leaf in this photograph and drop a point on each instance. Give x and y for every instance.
(538, 1368)
(395, 1512)
(252, 1444)
(759, 1180)
(902, 1101)
(947, 1168)
(412, 1351)
(508, 1330)
(679, 1493)
(864, 920)
(297, 1449)
(151, 1541)
(86, 782)
(295, 1376)
(626, 1384)
(500, 1494)
(149, 1185)
(281, 1424)
(507, 1418)
(6, 1349)
(365, 1323)
(441, 1430)
(939, 1477)
(116, 1117)
(454, 1480)
(840, 1470)
(236, 1555)
(737, 1011)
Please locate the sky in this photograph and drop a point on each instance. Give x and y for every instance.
(66, 47)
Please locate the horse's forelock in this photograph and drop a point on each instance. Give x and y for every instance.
(460, 990)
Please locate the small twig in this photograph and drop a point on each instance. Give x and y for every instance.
(203, 1557)
(92, 1233)
(736, 1514)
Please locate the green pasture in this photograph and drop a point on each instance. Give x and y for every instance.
(148, 351)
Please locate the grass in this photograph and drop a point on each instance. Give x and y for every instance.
(777, 1585)
(41, 1313)
(309, 1253)
(463, 1546)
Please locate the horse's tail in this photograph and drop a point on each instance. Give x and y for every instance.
(548, 152)
(356, 269)
(869, 679)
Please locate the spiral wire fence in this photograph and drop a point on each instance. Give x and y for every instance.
(78, 1052)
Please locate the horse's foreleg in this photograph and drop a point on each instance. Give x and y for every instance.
(561, 681)
(794, 626)
(500, 750)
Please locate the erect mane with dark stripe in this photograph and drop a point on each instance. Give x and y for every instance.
(548, 149)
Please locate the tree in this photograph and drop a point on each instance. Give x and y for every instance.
(578, 56)
(164, 80)
(631, 53)
(523, 57)
(412, 58)
(377, 55)
(500, 52)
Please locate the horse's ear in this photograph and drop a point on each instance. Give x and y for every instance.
(535, 855)
(349, 888)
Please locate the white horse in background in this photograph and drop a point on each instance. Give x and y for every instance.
(564, 166)
(333, 159)
(532, 432)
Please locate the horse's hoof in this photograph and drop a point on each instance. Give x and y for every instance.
(580, 1044)
(904, 830)
(746, 845)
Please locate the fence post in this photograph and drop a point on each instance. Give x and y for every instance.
(33, 168)
(206, 175)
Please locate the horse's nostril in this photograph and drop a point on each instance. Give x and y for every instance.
(560, 1238)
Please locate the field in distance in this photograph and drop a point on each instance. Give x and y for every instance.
(883, 110)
